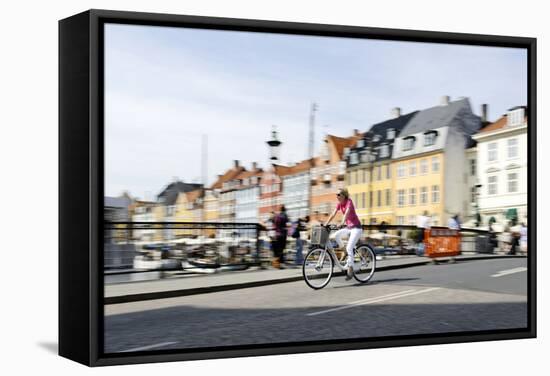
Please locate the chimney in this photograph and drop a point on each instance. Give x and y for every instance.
(236, 163)
(395, 112)
(356, 132)
(484, 112)
(254, 166)
(445, 100)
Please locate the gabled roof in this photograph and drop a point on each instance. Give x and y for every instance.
(298, 168)
(499, 124)
(440, 116)
(343, 142)
(228, 175)
(116, 202)
(170, 194)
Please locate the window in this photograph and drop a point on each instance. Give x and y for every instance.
(492, 185)
(512, 182)
(515, 117)
(492, 152)
(388, 197)
(423, 166)
(370, 199)
(400, 220)
(354, 177)
(353, 158)
(384, 151)
(401, 197)
(435, 193)
(472, 167)
(410, 220)
(408, 143)
(360, 143)
(360, 176)
(472, 194)
(379, 198)
(412, 196)
(412, 168)
(429, 138)
(512, 148)
(435, 164)
(363, 197)
(390, 134)
(401, 170)
(423, 195)
(388, 171)
(379, 173)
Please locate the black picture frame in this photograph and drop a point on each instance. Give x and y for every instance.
(81, 184)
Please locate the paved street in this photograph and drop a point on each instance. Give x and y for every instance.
(468, 295)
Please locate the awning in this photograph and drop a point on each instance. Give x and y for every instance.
(512, 214)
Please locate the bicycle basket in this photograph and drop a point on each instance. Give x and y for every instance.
(319, 235)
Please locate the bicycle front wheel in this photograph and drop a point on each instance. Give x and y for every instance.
(364, 263)
(317, 268)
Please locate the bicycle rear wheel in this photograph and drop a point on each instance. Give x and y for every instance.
(364, 263)
(317, 268)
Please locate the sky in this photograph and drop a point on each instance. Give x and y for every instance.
(166, 87)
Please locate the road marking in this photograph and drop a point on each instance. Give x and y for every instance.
(377, 299)
(510, 271)
(149, 347)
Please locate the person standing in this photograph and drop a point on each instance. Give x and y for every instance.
(299, 226)
(523, 238)
(281, 222)
(422, 224)
(454, 223)
(352, 228)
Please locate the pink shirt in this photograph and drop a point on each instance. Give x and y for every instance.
(352, 220)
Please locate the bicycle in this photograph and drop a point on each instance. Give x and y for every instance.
(319, 262)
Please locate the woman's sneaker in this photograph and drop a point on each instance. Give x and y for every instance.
(349, 273)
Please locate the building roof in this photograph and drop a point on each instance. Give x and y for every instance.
(499, 124)
(298, 168)
(117, 202)
(228, 175)
(193, 195)
(170, 194)
(343, 142)
(440, 116)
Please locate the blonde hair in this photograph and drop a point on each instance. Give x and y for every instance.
(344, 192)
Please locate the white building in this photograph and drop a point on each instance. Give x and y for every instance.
(502, 167)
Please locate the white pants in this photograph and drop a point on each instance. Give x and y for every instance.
(354, 235)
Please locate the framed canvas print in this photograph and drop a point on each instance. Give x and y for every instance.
(237, 187)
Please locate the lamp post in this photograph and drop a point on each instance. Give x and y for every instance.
(274, 145)
(478, 216)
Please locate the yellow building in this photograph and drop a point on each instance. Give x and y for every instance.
(418, 187)
(189, 209)
(370, 175)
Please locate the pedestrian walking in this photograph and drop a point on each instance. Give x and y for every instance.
(281, 222)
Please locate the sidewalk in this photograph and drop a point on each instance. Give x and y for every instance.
(202, 284)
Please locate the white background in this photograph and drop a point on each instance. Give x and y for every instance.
(28, 147)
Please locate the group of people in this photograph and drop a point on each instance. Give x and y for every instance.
(280, 228)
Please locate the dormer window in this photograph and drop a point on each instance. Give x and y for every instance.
(408, 143)
(360, 143)
(384, 151)
(429, 138)
(353, 158)
(516, 117)
(346, 151)
(390, 134)
(376, 138)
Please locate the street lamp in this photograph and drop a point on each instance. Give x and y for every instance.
(478, 216)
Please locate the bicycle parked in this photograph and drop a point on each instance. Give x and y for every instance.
(318, 265)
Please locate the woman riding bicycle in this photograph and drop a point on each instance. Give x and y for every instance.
(352, 228)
